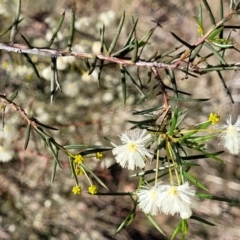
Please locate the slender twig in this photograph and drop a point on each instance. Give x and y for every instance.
(204, 38)
(20, 110)
(162, 87)
(35, 124)
(54, 53)
(20, 48)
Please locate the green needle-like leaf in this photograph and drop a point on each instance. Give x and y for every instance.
(16, 21)
(71, 30)
(54, 84)
(43, 125)
(135, 51)
(182, 41)
(225, 86)
(60, 22)
(215, 52)
(129, 38)
(55, 155)
(147, 112)
(93, 175)
(171, 76)
(215, 33)
(122, 52)
(151, 171)
(211, 155)
(216, 198)
(200, 18)
(143, 122)
(199, 25)
(102, 32)
(143, 41)
(200, 139)
(195, 129)
(126, 222)
(13, 96)
(221, 13)
(26, 41)
(10, 27)
(114, 41)
(189, 99)
(191, 164)
(102, 50)
(202, 220)
(134, 82)
(173, 122)
(150, 218)
(123, 83)
(195, 52)
(148, 94)
(195, 157)
(54, 169)
(176, 231)
(71, 162)
(96, 150)
(93, 65)
(193, 180)
(181, 116)
(33, 65)
(84, 146)
(209, 11)
(27, 137)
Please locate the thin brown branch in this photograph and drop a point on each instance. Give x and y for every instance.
(206, 35)
(54, 53)
(20, 48)
(34, 123)
(20, 110)
(162, 87)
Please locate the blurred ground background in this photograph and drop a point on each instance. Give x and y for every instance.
(32, 208)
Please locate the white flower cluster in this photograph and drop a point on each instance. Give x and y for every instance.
(167, 199)
(230, 135)
(133, 152)
(159, 198)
